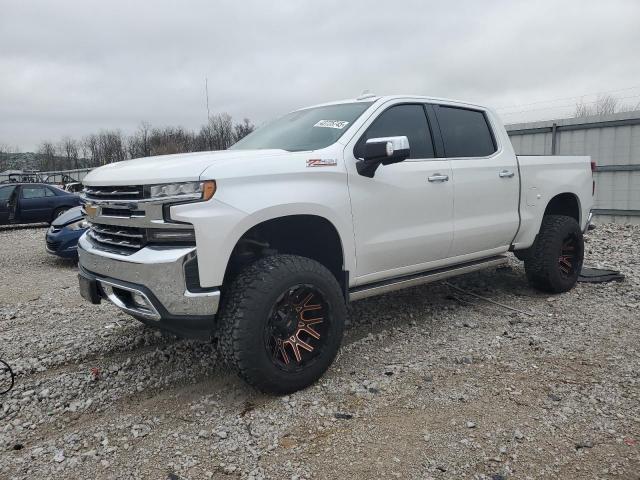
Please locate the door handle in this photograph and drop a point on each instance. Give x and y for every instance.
(438, 178)
(506, 174)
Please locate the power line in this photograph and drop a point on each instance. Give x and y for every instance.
(206, 90)
(567, 98)
(551, 107)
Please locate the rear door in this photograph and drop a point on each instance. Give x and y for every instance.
(403, 215)
(35, 204)
(486, 182)
(5, 195)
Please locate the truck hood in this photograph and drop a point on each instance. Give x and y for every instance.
(183, 167)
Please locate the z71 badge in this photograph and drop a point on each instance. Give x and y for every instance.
(321, 162)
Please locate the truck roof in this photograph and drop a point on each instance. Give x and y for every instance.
(384, 98)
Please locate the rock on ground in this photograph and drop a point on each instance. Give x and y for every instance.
(430, 383)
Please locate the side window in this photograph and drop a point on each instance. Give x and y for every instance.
(465, 132)
(5, 192)
(33, 192)
(407, 120)
(50, 192)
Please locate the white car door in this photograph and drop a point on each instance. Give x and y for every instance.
(486, 183)
(403, 215)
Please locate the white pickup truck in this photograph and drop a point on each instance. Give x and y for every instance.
(261, 246)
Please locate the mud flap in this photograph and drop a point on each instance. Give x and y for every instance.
(599, 275)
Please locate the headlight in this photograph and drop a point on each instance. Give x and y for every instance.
(187, 190)
(79, 225)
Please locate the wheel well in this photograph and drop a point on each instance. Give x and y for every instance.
(309, 236)
(564, 204)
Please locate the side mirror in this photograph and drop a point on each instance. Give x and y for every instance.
(382, 151)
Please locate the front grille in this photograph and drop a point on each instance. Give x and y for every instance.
(53, 245)
(114, 193)
(121, 212)
(128, 238)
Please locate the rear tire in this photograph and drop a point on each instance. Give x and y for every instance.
(522, 255)
(555, 259)
(275, 311)
(57, 212)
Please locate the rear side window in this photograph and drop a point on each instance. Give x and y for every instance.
(401, 120)
(465, 133)
(33, 192)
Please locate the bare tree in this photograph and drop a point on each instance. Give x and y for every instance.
(105, 147)
(111, 146)
(5, 156)
(69, 148)
(90, 146)
(47, 156)
(604, 105)
(218, 134)
(139, 144)
(243, 129)
(629, 107)
(169, 140)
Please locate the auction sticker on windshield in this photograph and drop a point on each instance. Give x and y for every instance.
(339, 124)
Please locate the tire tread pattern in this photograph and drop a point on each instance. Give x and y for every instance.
(541, 262)
(239, 307)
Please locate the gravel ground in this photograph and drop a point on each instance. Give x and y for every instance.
(430, 383)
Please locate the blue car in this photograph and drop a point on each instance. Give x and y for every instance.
(62, 237)
(33, 202)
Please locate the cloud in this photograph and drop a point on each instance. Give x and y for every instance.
(73, 67)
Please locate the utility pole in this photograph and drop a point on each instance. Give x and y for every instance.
(206, 92)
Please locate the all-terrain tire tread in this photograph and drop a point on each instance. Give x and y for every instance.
(238, 303)
(542, 257)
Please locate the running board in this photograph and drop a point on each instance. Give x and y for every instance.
(398, 283)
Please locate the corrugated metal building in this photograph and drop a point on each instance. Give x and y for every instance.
(613, 141)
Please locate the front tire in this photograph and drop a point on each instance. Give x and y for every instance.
(555, 259)
(57, 212)
(281, 323)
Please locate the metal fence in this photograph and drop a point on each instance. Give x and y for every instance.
(57, 176)
(613, 141)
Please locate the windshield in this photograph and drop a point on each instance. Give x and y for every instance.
(308, 129)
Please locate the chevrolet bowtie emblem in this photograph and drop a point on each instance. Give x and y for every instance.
(91, 210)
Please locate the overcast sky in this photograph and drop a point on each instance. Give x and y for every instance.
(72, 67)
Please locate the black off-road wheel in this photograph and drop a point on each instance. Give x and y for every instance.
(281, 323)
(556, 257)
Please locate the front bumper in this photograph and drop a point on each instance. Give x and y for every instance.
(150, 283)
(63, 242)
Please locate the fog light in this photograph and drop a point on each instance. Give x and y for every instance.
(174, 235)
(139, 300)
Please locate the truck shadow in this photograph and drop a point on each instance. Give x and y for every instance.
(422, 305)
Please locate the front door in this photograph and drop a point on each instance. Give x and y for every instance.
(403, 218)
(6, 195)
(35, 204)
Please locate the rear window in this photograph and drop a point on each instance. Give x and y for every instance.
(465, 133)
